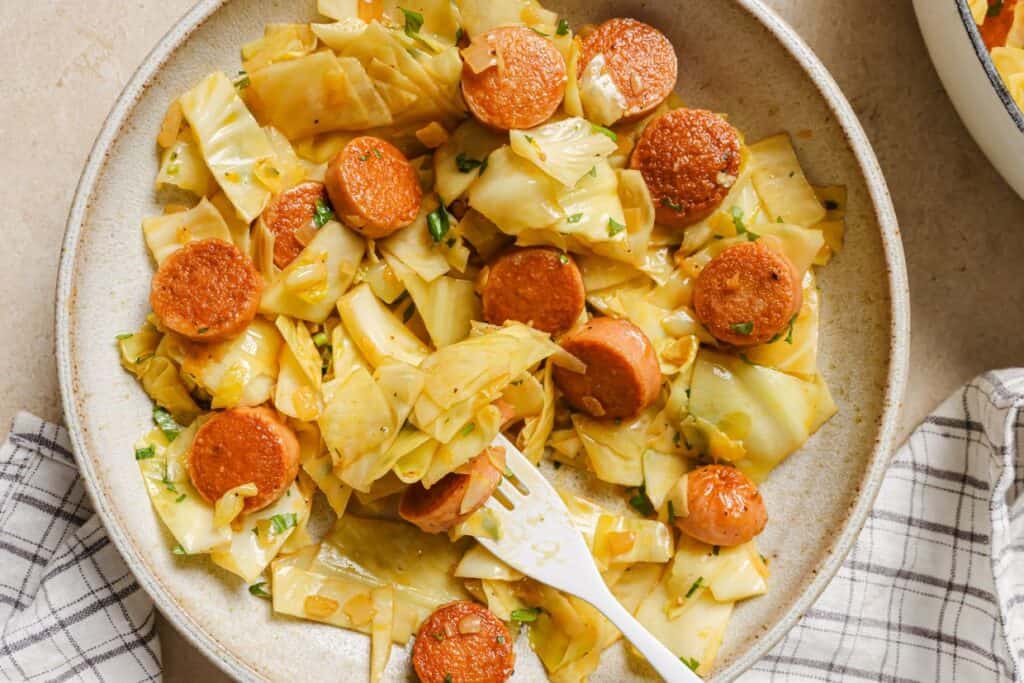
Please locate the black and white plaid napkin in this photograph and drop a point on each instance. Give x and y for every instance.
(933, 590)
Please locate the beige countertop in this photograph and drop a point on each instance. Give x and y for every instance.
(64, 63)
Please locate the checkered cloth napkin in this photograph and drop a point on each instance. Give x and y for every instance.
(933, 590)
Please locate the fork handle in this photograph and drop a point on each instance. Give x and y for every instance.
(668, 666)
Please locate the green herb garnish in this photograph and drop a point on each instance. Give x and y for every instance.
(125, 335)
(742, 328)
(641, 503)
(322, 213)
(181, 498)
(320, 339)
(563, 258)
(465, 164)
(789, 335)
(690, 662)
(575, 218)
(258, 590)
(610, 134)
(540, 33)
(671, 506)
(242, 80)
(458, 35)
(166, 423)
(563, 28)
(178, 550)
(203, 330)
(614, 227)
(438, 224)
(467, 430)
(696, 585)
(283, 522)
(669, 204)
(500, 640)
(439, 636)
(526, 615)
(145, 453)
(741, 227)
(592, 172)
(413, 22)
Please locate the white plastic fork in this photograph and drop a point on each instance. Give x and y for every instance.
(538, 539)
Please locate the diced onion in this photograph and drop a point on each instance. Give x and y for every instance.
(564, 359)
(230, 505)
(359, 609)
(620, 542)
(480, 55)
(471, 623)
(319, 607)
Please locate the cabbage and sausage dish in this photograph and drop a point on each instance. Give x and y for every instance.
(1001, 25)
(406, 228)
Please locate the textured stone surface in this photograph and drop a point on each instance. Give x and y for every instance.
(65, 63)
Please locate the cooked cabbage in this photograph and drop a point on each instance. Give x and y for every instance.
(356, 417)
(231, 141)
(318, 93)
(238, 227)
(469, 442)
(479, 563)
(230, 505)
(516, 195)
(621, 540)
(340, 34)
(182, 166)
(284, 169)
(638, 216)
(603, 102)
(796, 350)
(461, 159)
(572, 103)
(162, 383)
(567, 634)
(318, 464)
(728, 573)
(781, 183)
(537, 428)
(279, 42)
(415, 248)
(345, 355)
(661, 471)
(770, 412)
(446, 305)
(592, 210)
(480, 16)
(170, 232)
(337, 252)
(382, 626)
(566, 150)
(237, 372)
(615, 451)
(378, 334)
(298, 384)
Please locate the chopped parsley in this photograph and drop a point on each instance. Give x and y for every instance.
(696, 585)
(671, 506)
(778, 219)
(166, 423)
(500, 640)
(467, 430)
(742, 328)
(995, 9)
(242, 80)
(145, 453)
(377, 153)
(203, 330)
(178, 550)
(563, 258)
(789, 335)
(465, 164)
(669, 204)
(592, 172)
(283, 522)
(563, 28)
(322, 213)
(741, 227)
(540, 33)
(320, 339)
(181, 498)
(447, 678)
(575, 218)
(641, 503)
(526, 615)
(450, 243)
(690, 662)
(458, 35)
(745, 359)
(438, 636)
(125, 335)
(258, 590)
(614, 227)
(413, 22)
(610, 134)
(438, 224)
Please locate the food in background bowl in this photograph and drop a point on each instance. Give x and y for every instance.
(1001, 23)
(407, 233)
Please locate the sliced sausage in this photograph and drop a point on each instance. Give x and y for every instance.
(689, 159)
(723, 506)
(538, 286)
(289, 212)
(207, 291)
(244, 445)
(456, 496)
(640, 60)
(463, 642)
(748, 294)
(622, 377)
(998, 22)
(525, 86)
(374, 188)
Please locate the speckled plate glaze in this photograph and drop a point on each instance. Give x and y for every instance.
(736, 56)
(975, 87)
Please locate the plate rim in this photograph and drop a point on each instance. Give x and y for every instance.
(892, 393)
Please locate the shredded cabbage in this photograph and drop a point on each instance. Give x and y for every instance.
(237, 372)
(566, 150)
(182, 166)
(781, 183)
(378, 334)
(280, 42)
(168, 233)
(615, 451)
(460, 160)
(516, 195)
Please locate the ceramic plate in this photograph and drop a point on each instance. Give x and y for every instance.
(735, 57)
(977, 90)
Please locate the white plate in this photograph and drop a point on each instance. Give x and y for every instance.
(977, 90)
(736, 57)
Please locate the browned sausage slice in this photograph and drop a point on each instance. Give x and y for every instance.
(537, 286)
(445, 504)
(723, 506)
(206, 291)
(526, 85)
(240, 446)
(463, 642)
(374, 188)
(748, 294)
(689, 159)
(622, 377)
(640, 60)
(289, 212)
